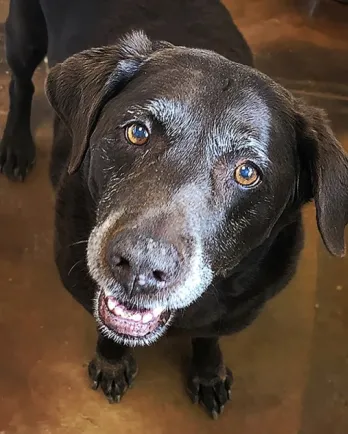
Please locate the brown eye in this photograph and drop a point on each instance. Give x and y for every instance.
(247, 175)
(137, 134)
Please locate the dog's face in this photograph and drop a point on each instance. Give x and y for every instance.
(192, 161)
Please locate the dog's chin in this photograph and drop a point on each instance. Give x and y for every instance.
(130, 326)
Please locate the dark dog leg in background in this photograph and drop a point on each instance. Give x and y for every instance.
(209, 380)
(26, 47)
(113, 369)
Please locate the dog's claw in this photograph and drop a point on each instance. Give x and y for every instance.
(94, 375)
(195, 399)
(16, 173)
(115, 400)
(215, 415)
(114, 379)
(212, 393)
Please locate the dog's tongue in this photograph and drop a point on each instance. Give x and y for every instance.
(130, 322)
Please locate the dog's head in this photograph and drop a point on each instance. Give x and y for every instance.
(192, 161)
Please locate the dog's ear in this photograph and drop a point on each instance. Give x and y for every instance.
(78, 88)
(325, 165)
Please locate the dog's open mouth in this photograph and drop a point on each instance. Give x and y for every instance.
(130, 322)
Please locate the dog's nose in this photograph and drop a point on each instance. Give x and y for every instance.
(142, 264)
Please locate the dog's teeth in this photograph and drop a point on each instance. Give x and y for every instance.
(136, 317)
(111, 304)
(119, 311)
(147, 318)
(157, 311)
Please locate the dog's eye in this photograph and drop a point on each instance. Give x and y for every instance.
(247, 175)
(137, 134)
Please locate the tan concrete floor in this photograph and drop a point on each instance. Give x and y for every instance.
(291, 365)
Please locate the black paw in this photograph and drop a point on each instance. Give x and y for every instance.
(17, 157)
(113, 378)
(211, 391)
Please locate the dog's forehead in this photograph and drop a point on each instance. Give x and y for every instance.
(204, 67)
(206, 87)
(196, 91)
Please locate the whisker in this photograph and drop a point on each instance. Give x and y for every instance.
(76, 263)
(78, 242)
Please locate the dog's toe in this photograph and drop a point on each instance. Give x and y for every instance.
(17, 157)
(112, 378)
(212, 392)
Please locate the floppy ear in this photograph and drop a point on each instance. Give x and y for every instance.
(79, 88)
(326, 166)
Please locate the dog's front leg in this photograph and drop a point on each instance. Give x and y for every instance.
(209, 381)
(113, 369)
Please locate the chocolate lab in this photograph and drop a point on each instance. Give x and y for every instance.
(180, 173)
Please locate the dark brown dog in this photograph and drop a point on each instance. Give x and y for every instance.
(180, 175)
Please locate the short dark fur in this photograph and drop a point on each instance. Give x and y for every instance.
(218, 112)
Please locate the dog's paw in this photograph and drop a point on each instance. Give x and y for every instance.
(113, 378)
(17, 157)
(212, 391)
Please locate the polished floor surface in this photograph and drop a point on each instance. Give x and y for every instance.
(291, 365)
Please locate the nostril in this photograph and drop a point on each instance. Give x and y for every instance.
(119, 261)
(159, 275)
